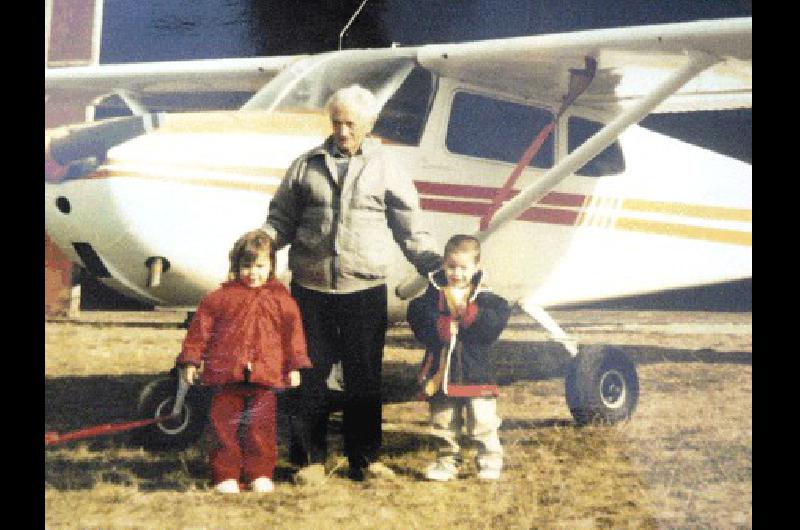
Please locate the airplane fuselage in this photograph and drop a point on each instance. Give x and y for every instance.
(676, 216)
(645, 212)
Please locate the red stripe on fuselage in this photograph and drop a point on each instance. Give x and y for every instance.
(477, 209)
(466, 191)
(550, 215)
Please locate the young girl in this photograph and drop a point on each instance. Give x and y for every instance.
(249, 336)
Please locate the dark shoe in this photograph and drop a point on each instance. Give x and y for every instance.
(374, 471)
(356, 473)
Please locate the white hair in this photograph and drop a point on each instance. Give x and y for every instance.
(355, 98)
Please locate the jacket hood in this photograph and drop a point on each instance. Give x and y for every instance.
(271, 284)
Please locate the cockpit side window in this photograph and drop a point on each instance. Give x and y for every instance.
(499, 130)
(609, 162)
(402, 119)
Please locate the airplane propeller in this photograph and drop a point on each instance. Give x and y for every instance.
(70, 152)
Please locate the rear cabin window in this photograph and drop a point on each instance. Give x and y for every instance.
(499, 130)
(609, 162)
(403, 116)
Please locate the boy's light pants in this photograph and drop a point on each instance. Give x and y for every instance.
(482, 423)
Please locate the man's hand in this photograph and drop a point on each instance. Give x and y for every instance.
(189, 373)
(294, 378)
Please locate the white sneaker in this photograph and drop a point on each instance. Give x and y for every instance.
(489, 474)
(262, 485)
(440, 471)
(227, 486)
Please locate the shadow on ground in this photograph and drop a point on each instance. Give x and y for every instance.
(532, 361)
(74, 402)
(79, 402)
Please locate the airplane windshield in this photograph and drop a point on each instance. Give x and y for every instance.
(309, 83)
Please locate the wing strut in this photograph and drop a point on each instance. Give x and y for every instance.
(579, 81)
(599, 141)
(697, 62)
(549, 323)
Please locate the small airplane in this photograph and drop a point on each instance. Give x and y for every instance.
(529, 143)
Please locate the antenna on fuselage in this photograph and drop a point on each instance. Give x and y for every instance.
(347, 26)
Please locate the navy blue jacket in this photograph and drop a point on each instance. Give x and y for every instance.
(470, 371)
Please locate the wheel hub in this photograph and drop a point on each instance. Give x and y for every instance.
(613, 389)
(176, 425)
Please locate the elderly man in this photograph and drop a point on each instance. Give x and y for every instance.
(333, 207)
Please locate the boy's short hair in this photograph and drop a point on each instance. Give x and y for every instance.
(246, 250)
(463, 243)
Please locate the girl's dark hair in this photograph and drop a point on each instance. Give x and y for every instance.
(246, 250)
(463, 243)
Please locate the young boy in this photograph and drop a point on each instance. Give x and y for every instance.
(249, 335)
(458, 320)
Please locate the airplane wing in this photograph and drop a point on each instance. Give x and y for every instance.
(693, 66)
(146, 80)
(629, 62)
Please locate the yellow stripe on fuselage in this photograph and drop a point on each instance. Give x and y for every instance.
(720, 213)
(116, 168)
(299, 123)
(247, 124)
(718, 235)
(205, 182)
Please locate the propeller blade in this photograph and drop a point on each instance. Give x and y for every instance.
(67, 145)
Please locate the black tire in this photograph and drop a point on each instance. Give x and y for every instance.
(156, 399)
(601, 386)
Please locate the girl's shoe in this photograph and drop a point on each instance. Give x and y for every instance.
(262, 485)
(227, 486)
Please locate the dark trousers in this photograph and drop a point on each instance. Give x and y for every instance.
(244, 432)
(349, 327)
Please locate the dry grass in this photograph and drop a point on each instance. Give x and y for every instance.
(685, 460)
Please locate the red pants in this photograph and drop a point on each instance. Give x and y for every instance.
(256, 452)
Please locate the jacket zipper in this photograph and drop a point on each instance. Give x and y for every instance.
(337, 212)
(337, 198)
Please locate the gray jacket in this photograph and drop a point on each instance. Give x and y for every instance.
(340, 233)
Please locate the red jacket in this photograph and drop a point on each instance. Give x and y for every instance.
(236, 324)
